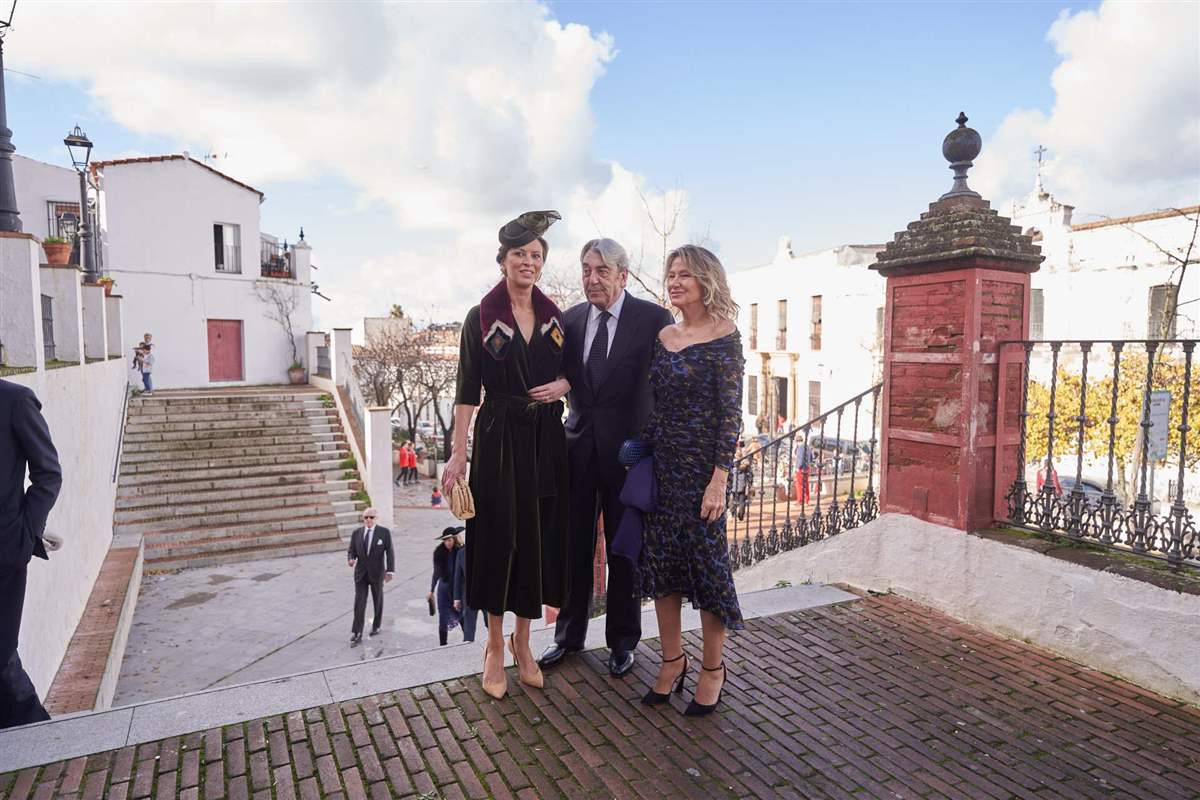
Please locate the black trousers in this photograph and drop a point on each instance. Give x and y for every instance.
(19, 704)
(593, 491)
(360, 602)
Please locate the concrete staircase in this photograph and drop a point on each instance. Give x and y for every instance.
(222, 475)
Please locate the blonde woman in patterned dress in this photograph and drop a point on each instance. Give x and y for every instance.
(696, 375)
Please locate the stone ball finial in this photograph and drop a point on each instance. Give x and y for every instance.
(961, 147)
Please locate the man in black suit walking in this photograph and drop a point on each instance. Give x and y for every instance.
(368, 547)
(610, 340)
(24, 440)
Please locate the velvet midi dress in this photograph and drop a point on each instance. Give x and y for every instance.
(516, 543)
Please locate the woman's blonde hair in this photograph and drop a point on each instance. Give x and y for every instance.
(714, 287)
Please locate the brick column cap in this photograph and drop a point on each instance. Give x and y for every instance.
(957, 233)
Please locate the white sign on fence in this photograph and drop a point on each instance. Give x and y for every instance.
(1160, 424)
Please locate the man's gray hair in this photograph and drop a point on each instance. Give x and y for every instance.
(610, 252)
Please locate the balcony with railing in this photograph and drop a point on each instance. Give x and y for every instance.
(276, 260)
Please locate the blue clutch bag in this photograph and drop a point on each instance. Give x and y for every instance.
(634, 450)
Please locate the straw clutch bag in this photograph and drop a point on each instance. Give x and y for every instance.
(462, 504)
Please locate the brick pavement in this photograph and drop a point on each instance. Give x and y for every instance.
(880, 698)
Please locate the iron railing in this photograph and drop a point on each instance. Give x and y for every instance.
(829, 465)
(1116, 411)
(276, 260)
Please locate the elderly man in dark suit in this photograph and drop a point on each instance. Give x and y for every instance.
(24, 441)
(610, 339)
(370, 545)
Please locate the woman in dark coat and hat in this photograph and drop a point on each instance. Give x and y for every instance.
(445, 559)
(510, 357)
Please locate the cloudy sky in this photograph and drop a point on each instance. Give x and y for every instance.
(402, 135)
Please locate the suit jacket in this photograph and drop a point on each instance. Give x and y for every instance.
(617, 408)
(370, 565)
(24, 440)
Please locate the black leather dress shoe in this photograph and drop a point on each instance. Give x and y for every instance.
(355, 638)
(555, 654)
(374, 632)
(619, 664)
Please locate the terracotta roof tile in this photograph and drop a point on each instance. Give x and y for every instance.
(1104, 223)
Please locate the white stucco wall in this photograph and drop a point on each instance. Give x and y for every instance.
(37, 184)
(95, 322)
(82, 406)
(1125, 627)
(850, 294)
(63, 285)
(160, 218)
(20, 301)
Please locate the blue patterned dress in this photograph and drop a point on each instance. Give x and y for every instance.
(695, 426)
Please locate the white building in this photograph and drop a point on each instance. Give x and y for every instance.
(811, 329)
(184, 245)
(1108, 279)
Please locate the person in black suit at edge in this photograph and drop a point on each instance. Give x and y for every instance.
(369, 544)
(610, 339)
(24, 440)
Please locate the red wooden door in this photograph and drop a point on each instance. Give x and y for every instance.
(225, 350)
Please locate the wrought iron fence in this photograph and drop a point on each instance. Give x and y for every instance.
(829, 466)
(275, 258)
(1108, 414)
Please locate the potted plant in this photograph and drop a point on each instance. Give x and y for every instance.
(296, 373)
(58, 250)
(108, 284)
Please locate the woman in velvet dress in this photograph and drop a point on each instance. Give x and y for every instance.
(512, 350)
(696, 376)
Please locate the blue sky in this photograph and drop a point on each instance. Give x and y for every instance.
(822, 121)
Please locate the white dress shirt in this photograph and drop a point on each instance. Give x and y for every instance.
(593, 324)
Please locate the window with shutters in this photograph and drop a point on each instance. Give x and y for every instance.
(814, 399)
(814, 337)
(751, 394)
(879, 315)
(1161, 299)
(781, 335)
(1037, 314)
(62, 219)
(227, 247)
(754, 326)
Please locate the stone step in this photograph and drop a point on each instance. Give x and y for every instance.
(281, 502)
(307, 468)
(289, 428)
(199, 528)
(188, 441)
(144, 487)
(255, 519)
(248, 553)
(183, 457)
(321, 443)
(313, 411)
(258, 422)
(237, 490)
(176, 397)
(184, 470)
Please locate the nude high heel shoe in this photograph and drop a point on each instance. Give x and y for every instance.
(537, 681)
(496, 690)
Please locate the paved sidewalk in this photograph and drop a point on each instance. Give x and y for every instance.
(256, 620)
(880, 698)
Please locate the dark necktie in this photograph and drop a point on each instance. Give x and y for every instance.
(598, 354)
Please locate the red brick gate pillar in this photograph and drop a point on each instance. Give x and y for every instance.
(957, 283)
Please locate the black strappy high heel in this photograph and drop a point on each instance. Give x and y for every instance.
(653, 698)
(695, 709)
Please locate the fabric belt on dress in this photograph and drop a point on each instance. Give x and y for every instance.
(545, 417)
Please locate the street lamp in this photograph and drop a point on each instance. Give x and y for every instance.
(10, 219)
(80, 148)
